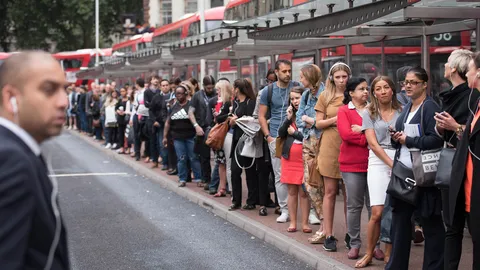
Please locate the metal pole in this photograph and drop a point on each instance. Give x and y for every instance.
(426, 58)
(201, 11)
(478, 35)
(383, 63)
(272, 63)
(318, 57)
(348, 54)
(255, 75)
(97, 35)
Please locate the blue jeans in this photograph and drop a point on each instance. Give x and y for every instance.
(215, 178)
(98, 133)
(83, 120)
(162, 149)
(184, 150)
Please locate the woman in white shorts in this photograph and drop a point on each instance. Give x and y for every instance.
(381, 114)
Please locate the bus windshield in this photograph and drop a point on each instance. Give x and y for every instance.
(212, 24)
(72, 63)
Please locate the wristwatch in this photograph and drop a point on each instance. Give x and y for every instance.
(459, 130)
(266, 137)
(196, 125)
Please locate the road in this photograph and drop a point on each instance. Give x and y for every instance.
(117, 219)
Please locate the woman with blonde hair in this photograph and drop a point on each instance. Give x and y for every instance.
(222, 156)
(311, 78)
(329, 149)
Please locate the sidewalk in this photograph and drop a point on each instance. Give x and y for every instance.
(267, 229)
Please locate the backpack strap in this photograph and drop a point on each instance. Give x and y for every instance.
(269, 99)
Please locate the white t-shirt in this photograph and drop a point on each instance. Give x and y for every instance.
(405, 156)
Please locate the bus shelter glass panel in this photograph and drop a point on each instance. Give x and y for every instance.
(247, 70)
(367, 60)
(298, 63)
(263, 63)
(331, 56)
(400, 53)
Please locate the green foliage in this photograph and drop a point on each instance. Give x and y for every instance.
(70, 24)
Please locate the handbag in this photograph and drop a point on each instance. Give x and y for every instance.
(425, 162)
(443, 177)
(96, 122)
(402, 185)
(216, 136)
(279, 142)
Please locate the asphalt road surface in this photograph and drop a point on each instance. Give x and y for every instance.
(117, 219)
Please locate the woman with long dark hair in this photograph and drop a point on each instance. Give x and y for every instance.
(381, 113)
(244, 105)
(417, 115)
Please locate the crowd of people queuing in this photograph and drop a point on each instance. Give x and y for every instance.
(314, 137)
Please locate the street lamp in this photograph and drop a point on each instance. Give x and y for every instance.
(97, 35)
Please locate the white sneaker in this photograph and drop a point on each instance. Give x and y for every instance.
(283, 218)
(114, 146)
(108, 146)
(312, 218)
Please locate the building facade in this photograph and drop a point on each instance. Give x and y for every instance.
(162, 12)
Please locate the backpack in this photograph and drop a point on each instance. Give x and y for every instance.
(269, 97)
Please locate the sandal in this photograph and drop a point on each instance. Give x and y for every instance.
(364, 262)
(221, 193)
(291, 229)
(132, 154)
(317, 238)
(147, 160)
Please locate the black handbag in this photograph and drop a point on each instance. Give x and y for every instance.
(444, 171)
(402, 185)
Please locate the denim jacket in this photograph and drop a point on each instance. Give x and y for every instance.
(307, 107)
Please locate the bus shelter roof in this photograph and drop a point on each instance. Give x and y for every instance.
(322, 24)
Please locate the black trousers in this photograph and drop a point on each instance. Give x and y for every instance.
(475, 233)
(252, 184)
(401, 233)
(139, 136)
(153, 142)
(203, 151)
(172, 155)
(263, 173)
(112, 134)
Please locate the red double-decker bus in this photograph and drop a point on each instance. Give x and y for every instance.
(135, 43)
(74, 61)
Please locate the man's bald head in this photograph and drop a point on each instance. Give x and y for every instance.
(16, 69)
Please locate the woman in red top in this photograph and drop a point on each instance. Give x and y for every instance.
(353, 158)
(464, 196)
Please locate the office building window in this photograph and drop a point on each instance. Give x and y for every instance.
(166, 12)
(191, 6)
(216, 3)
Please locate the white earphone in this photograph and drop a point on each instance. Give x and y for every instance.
(13, 102)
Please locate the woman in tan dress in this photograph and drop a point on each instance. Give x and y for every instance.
(326, 119)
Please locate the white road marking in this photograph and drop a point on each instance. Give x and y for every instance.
(86, 174)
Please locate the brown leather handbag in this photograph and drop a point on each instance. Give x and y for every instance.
(216, 136)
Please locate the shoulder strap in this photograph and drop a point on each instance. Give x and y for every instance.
(269, 95)
(307, 96)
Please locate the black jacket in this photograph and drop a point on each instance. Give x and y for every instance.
(27, 226)
(456, 192)
(283, 133)
(157, 109)
(458, 102)
(429, 201)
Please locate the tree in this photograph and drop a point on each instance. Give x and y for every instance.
(69, 24)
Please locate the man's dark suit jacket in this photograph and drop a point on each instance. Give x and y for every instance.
(27, 222)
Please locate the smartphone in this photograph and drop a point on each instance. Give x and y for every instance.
(391, 130)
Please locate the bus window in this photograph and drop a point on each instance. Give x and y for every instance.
(212, 24)
(72, 63)
(194, 28)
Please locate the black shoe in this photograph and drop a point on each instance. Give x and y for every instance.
(347, 241)
(263, 211)
(137, 158)
(234, 207)
(228, 192)
(174, 172)
(164, 168)
(182, 184)
(248, 207)
(330, 244)
(206, 186)
(212, 191)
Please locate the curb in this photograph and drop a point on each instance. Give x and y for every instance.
(260, 231)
